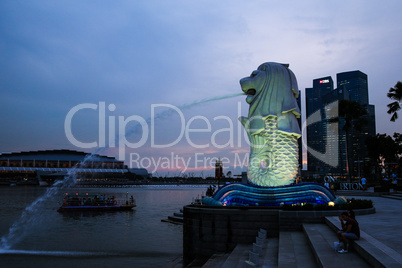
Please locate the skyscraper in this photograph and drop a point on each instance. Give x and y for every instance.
(336, 142)
(329, 147)
(355, 82)
(315, 125)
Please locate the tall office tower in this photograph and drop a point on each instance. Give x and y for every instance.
(336, 156)
(355, 82)
(316, 128)
(330, 150)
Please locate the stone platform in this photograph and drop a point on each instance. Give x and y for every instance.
(379, 246)
(211, 230)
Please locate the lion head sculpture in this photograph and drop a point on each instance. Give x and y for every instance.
(272, 90)
(272, 124)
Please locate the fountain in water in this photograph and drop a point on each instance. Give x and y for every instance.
(31, 215)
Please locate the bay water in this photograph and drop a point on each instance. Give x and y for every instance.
(134, 238)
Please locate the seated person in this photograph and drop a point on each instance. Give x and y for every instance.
(350, 231)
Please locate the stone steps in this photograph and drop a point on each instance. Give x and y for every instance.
(270, 258)
(372, 250)
(397, 196)
(176, 218)
(294, 251)
(228, 260)
(259, 254)
(321, 239)
(313, 247)
(216, 260)
(290, 250)
(262, 253)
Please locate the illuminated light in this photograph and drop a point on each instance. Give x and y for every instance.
(300, 194)
(325, 81)
(331, 204)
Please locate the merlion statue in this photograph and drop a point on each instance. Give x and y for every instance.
(272, 124)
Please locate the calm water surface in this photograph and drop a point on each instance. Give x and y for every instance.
(135, 238)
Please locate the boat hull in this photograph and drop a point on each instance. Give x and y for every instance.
(96, 208)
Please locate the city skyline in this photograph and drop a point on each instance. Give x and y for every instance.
(333, 149)
(131, 57)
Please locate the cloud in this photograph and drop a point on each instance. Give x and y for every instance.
(56, 55)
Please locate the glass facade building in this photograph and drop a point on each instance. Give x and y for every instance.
(355, 82)
(330, 150)
(316, 128)
(335, 140)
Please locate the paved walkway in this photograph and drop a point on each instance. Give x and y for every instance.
(386, 224)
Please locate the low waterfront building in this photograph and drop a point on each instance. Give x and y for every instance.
(36, 167)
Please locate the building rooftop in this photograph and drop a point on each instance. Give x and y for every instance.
(62, 155)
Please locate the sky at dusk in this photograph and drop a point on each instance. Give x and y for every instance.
(106, 67)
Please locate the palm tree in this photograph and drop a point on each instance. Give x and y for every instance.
(382, 149)
(395, 93)
(353, 114)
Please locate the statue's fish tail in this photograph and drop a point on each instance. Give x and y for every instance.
(276, 163)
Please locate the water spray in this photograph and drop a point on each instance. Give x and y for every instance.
(31, 215)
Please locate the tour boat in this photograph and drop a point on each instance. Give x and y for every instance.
(95, 202)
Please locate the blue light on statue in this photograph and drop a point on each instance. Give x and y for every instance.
(239, 194)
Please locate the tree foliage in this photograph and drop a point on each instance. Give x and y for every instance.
(353, 114)
(395, 93)
(383, 149)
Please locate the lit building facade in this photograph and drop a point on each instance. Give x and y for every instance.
(335, 140)
(356, 83)
(335, 144)
(34, 167)
(316, 126)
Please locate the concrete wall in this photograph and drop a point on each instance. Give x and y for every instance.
(207, 230)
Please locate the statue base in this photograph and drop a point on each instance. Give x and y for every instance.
(240, 194)
(239, 215)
